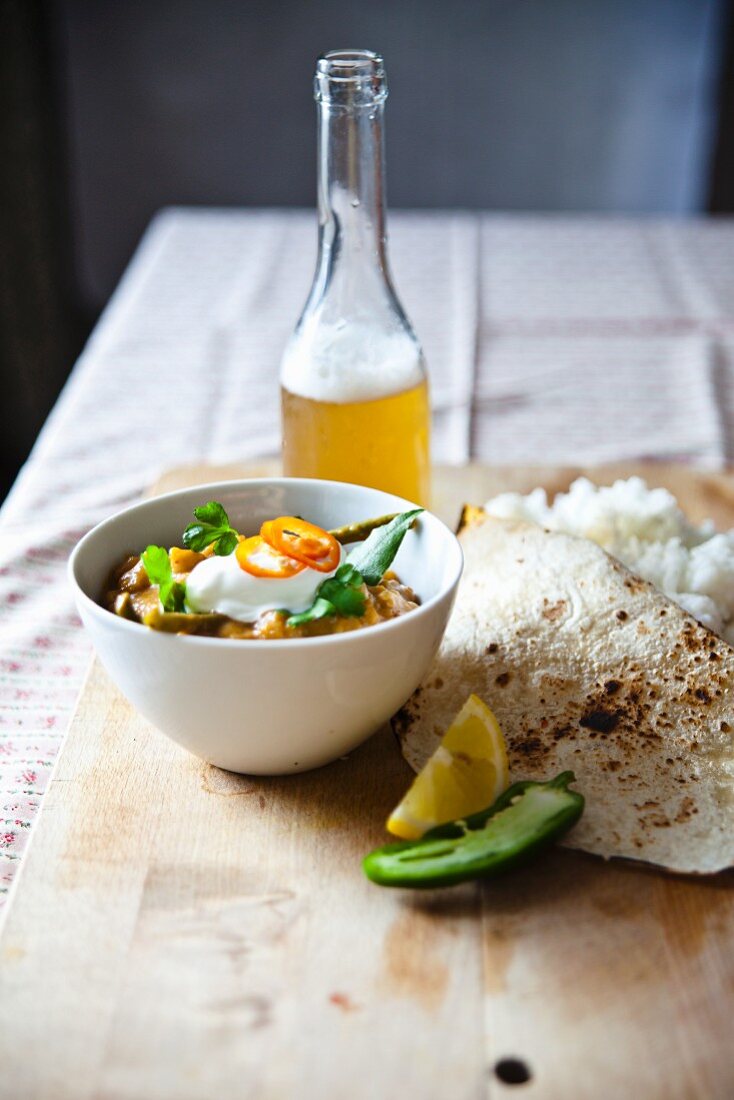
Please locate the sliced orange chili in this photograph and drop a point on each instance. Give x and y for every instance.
(303, 541)
(258, 558)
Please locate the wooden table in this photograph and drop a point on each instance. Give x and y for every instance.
(549, 339)
(181, 932)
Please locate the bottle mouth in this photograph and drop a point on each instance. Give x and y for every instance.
(350, 78)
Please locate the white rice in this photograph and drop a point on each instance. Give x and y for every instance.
(648, 532)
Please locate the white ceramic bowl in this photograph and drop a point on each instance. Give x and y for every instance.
(267, 707)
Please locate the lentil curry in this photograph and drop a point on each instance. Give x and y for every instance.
(293, 580)
(130, 594)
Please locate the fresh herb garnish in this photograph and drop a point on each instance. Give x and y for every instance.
(375, 555)
(339, 595)
(213, 527)
(157, 565)
(342, 594)
(319, 609)
(344, 590)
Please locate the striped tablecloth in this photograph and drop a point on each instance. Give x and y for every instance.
(561, 340)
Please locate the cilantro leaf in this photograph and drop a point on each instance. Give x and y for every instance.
(213, 513)
(338, 595)
(226, 543)
(347, 574)
(195, 535)
(344, 591)
(212, 527)
(375, 555)
(318, 610)
(157, 565)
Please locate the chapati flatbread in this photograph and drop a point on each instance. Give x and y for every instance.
(590, 668)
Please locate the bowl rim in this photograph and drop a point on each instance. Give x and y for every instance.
(343, 638)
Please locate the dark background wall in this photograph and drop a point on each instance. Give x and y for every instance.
(513, 104)
(114, 108)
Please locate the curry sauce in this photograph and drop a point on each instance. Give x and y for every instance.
(130, 594)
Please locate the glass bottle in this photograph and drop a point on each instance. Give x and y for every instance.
(353, 380)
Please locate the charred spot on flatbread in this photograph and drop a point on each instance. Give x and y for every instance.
(590, 668)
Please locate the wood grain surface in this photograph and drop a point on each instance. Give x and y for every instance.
(180, 932)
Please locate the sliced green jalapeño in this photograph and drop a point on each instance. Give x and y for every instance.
(525, 819)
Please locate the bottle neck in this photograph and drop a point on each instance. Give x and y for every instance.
(351, 185)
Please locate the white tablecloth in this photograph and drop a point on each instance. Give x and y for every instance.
(548, 339)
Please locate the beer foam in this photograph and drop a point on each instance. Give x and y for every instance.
(350, 362)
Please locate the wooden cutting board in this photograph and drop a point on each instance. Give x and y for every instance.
(180, 932)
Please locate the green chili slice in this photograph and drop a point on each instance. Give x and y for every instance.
(525, 819)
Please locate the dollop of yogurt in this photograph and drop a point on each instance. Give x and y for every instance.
(219, 584)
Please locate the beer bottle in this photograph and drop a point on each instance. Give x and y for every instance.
(353, 380)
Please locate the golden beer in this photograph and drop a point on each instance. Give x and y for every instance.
(383, 443)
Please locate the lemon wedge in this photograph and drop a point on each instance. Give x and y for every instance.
(466, 773)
